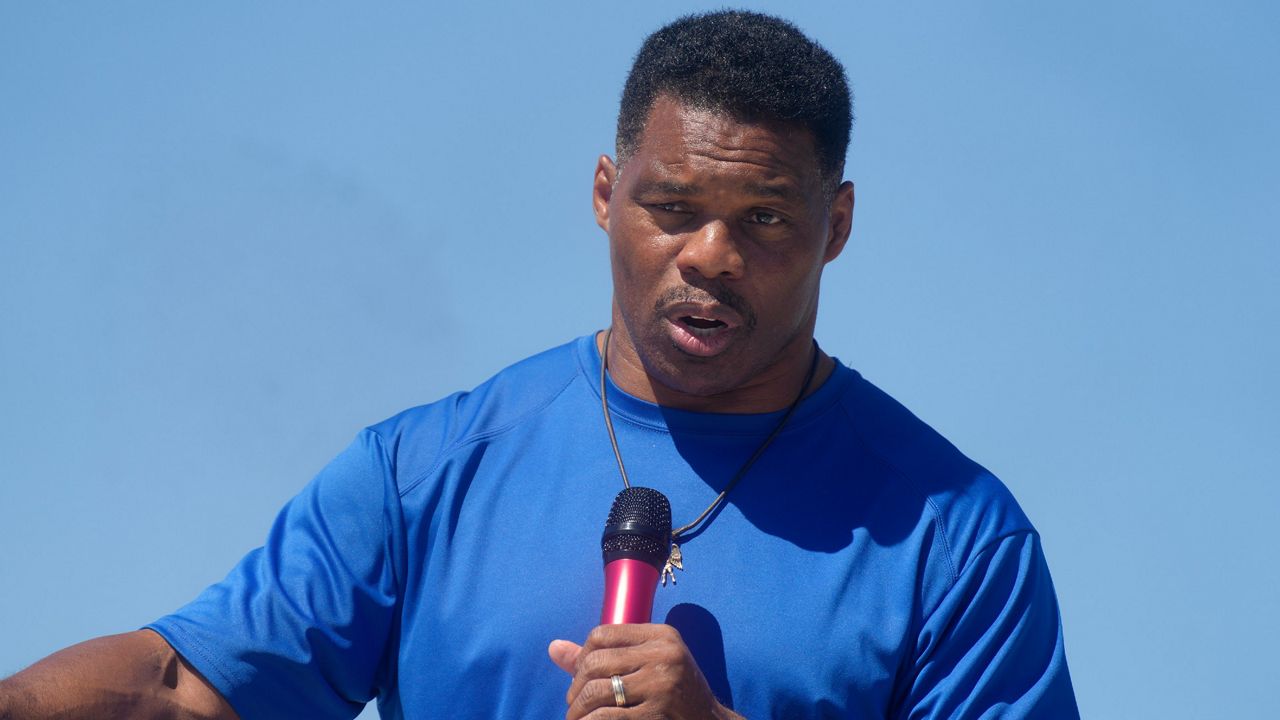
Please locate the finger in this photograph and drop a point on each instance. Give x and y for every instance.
(597, 701)
(613, 636)
(564, 654)
(596, 664)
(607, 713)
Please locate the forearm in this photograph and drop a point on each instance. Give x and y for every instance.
(134, 675)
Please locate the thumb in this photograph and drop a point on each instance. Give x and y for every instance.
(564, 654)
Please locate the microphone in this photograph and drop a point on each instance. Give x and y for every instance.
(636, 542)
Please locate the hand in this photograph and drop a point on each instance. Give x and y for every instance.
(658, 673)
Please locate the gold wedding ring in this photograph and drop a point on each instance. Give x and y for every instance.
(619, 695)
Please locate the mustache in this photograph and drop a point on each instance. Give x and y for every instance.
(712, 293)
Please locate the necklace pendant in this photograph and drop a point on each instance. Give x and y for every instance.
(674, 560)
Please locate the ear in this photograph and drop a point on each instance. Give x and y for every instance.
(841, 221)
(602, 190)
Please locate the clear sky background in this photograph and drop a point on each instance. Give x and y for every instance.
(233, 234)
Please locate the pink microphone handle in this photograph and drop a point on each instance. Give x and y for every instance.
(628, 592)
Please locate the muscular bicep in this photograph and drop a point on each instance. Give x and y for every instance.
(131, 675)
(304, 622)
(190, 690)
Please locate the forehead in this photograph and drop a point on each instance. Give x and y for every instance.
(680, 139)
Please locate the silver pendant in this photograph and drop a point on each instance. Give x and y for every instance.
(674, 560)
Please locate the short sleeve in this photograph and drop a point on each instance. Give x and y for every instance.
(300, 626)
(993, 646)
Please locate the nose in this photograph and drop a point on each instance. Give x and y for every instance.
(711, 252)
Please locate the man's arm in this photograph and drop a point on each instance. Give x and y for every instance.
(132, 675)
(994, 643)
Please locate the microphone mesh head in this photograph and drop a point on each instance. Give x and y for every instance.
(639, 526)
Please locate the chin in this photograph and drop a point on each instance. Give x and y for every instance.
(693, 375)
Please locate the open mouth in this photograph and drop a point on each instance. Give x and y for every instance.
(695, 323)
(701, 336)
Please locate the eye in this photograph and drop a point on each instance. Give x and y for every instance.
(764, 217)
(670, 217)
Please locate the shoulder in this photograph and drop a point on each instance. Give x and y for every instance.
(415, 439)
(972, 509)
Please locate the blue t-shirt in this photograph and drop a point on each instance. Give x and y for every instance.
(864, 568)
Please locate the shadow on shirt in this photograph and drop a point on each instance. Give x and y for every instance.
(840, 473)
(701, 633)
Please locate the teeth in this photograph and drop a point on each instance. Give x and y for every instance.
(698, 324)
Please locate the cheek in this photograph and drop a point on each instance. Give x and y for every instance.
(634, 279)
(796, 297)
(640, 259)
(625, 266)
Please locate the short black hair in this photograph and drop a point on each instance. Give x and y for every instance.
(754, 67)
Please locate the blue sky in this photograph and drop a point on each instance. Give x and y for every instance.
(232, 235)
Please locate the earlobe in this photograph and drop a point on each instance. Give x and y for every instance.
(602, 190)
(841, 218)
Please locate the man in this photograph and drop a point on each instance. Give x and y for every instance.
(840, 559)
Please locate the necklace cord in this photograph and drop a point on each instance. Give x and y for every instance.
(777, 429)
(604, 404)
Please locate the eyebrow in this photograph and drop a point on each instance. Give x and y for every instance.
(667, 187)
(782, 192)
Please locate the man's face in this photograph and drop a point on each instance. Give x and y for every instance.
(718, 233)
